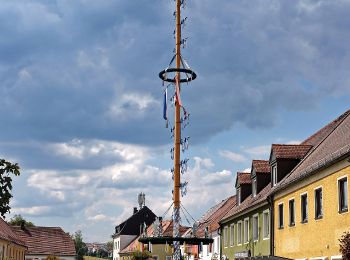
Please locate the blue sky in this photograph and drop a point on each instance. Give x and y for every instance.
(82, 103)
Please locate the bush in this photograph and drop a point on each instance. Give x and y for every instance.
(345, 246)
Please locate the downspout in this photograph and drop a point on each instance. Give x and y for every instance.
(272, 227)
(219, 233)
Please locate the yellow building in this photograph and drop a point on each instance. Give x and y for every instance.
(11, 247)
(311, 203)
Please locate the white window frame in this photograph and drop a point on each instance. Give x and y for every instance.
(254, 187)
(274, 174)
(347, 187)
(301, 208)
(289, 223)
(255, 216)
(322, 206)
(232, 235)
(239, 234)
(279, 216)
(246, 232)
(225, 236)
(266, 213)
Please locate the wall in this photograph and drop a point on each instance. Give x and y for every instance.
(9, 250)
(317, 238)
(258, 248)
(124, 241)
(43, 257)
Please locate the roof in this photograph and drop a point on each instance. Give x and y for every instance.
(46, 241)
(320, 135)
(6, 233)
(167, 231)
(335, 145)
(248, 203)
(131, 226)
(290, 151)
(243, 178)
(212, 217)
(261, 166)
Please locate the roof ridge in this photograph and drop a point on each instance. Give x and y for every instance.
(342, 118)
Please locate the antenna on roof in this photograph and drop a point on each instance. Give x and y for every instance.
(142, 200)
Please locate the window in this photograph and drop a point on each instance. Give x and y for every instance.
(256, 227)
(274, 175)
(343, 194)
(232, 235)
(254, 187)
(226, 236)
(246, 230)
(291, 213)
(318, 203)
(304, 211)
(266, 223)
(239, 233)
(168, 258)
(280, 215)
(238, 195)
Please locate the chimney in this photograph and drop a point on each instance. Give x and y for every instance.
(135, 210)
(23, 225)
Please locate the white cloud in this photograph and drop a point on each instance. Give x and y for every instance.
(34, 211)
(294, 142)
(260, 151)
(232, 156)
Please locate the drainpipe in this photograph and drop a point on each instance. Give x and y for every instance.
(272, 227)
(219, 233)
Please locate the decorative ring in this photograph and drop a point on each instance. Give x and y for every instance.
(192, 74)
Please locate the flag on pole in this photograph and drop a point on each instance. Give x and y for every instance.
(165, 107)
(177, 92)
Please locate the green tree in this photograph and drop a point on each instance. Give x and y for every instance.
(80, 247)
(17, 220)
(109, 247)
(7, 169)
(144, 255)
(345, 246)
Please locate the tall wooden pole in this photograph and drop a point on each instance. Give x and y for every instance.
(177, 138)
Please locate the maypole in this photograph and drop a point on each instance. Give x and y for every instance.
(175, 75)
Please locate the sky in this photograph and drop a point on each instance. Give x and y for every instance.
(81, 101)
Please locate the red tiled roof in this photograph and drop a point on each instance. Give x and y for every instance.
(243, 178)
(335, 145)
(46, 240)
(213, 217)
(317, 137)
(167, 231)
(6, 233)
(290, 151)
(248, 203)
(261, 166)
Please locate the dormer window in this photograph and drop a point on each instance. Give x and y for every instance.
(274, 175)
(238, 195)
(254, 187)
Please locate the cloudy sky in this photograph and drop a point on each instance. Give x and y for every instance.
(81, 102)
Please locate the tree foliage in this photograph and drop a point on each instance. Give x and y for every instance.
(345, 246)
(80, 247)
(52, 257)
(137, 255)
(17, 220)
(7, 169)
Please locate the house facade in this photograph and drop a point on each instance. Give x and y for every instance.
(130, 229)
(311, 202)
(245, 229)
(11, 246)
(209, 227)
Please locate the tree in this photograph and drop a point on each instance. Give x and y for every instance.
(18, 220)
(144, 255)
(52, 257)
(345, 246)
(80, 247)
(109, 247)
(6, 170)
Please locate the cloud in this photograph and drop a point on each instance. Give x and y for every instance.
(259, 151)
(232, 156)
